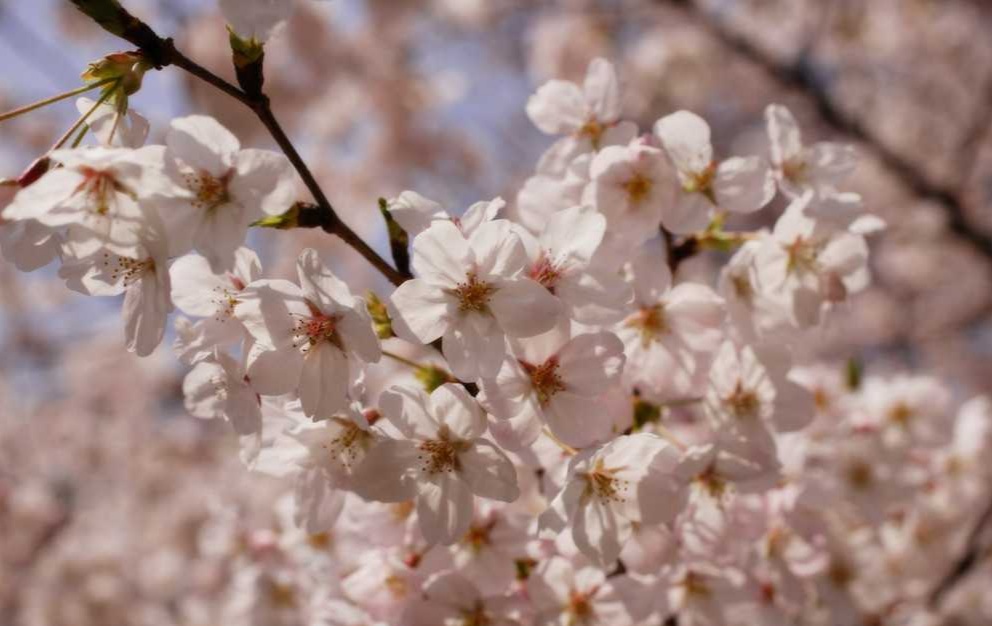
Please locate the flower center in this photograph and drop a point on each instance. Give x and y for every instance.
(701, 182)
(900, 414)
(546, 272)
(742, 403)
(474, 294)
(860, 475)
(476, 617)
(794, 170)
(650, 322)
(712, 483)
(478, 537)
(349, 443)
(593, 129)
(99, 187)
(209, 191)
(802, 255)
(638, 187)
(602, 483)
(742, 286)
(544, 379)
(318, 328)
(126, 269)
(579, 606)
(439, 455)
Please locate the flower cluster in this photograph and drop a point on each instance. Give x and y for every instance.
(601, 443)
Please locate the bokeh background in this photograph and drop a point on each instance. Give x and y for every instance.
(116, 508)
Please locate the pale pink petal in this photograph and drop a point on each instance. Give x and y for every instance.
(524, 308)
(488, 472)
(456, 409)
(203, 144)
(744, 184)
(686, 138)
(444, 509)
(558, 108)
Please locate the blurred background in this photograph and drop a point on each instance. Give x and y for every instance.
(98, 462)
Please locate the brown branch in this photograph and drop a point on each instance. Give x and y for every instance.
(968, 560)
(162, 52)
(802, 76)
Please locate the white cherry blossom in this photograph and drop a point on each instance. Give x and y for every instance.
(471, 292)
(442, 460)
(557, 381)
(738, 184)
(314, 337)
(631, 185)
(608, 489)
(798, 168)
(96, 192)
(215, 189)
(562, 260)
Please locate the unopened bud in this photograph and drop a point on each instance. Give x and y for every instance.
(380, 316)
(127, 68)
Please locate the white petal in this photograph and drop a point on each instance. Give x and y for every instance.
(599, 533)
(690, 213)
(357, 335)
(524, 308)
(441, 254)
(444, 509)
(274, 372)
(602, 91)
(456, 409)
(409, 410)
(320, 286)
(497, 249)
(473, 354)
(324, 381)
(318, 504)
(488, 472)
(783, 134)
(686, 138)
(386, 474)
(558, 108)
(589, 364)
(420, 311)
(202, 143)
(744, 184)
(574, 233)
(265, 182)
(414, 212)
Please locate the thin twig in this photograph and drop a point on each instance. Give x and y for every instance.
(162, 52)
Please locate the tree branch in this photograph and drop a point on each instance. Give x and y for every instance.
(968, 560)
(162, 52)
(801, 75)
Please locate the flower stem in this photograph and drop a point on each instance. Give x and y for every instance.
(402, 359)
(58, 98)
(569, 450)
(82, 119)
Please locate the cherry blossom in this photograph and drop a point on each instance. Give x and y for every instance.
(95, 192)
(442, 461)
(312, 337)
(800, 168)
(471, 292)
(215, 189)
(632, 186)
(557, 381)
(589, 115)
(609, 488)
(738, 184)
